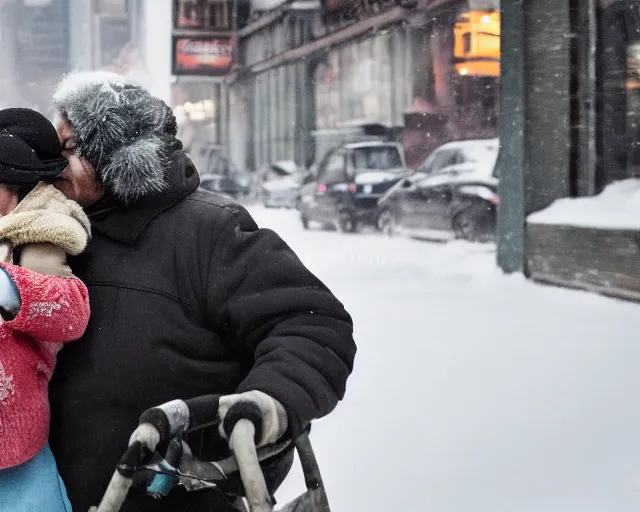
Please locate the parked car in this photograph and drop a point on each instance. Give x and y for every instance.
(205, 155)
(218, 174)
(234, 185)
(277, 170)
(452, 195)
(281, 185)
(350, 179)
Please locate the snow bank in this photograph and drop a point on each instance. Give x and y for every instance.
(617, 207)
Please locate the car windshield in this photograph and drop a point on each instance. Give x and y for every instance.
(378, 158)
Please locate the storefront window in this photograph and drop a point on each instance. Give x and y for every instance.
(357, 83)
(204, 14)
(619, 90)
(277, 108)
(198, 112)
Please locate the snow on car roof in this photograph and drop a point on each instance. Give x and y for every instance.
(479, 165)
(481, 154)
(470, 143)
(370, 143)
(288, 166)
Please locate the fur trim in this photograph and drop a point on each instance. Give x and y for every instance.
(146, 157)
(119, 127)
(45, 215)
(74, 82)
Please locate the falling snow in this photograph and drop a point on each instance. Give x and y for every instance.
(7, 387)
(39, 309)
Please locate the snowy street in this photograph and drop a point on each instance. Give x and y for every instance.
(472, 391)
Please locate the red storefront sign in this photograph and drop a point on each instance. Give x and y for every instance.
(202, 56)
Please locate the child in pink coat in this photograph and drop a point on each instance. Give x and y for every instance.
(42, 305)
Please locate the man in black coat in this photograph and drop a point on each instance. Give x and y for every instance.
(188, 296)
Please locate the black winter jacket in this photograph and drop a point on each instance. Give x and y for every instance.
(189, 297)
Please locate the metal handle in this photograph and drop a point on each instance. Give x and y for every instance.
(121, 480)
(244, 449)
(257, 493)
(242, 444)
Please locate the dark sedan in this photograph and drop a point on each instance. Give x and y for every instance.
(457, 201)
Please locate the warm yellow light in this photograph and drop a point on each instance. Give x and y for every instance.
(477, 44)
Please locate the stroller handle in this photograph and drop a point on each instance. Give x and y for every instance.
(242, 444)
(177, 417)
(244, 448)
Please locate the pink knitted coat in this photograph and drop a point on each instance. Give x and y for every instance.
(54, 310)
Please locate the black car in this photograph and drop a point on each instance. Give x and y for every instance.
(349, 182)
(455, 201)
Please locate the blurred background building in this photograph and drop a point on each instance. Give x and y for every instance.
(268, 74)
(428, 69)
(42, 39)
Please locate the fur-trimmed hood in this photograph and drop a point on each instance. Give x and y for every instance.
(45, 215)
(123, 131)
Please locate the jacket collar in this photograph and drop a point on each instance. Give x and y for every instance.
(126, 223)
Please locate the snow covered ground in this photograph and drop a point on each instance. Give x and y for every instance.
(472, 391)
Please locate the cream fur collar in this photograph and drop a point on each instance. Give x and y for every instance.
(45, 215)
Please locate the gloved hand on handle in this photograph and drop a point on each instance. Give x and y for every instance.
(159, 424)
(266, 413)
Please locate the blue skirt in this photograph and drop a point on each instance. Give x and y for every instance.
(34, 486)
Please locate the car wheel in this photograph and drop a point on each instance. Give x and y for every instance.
(463, 225)
(388, 224)
(305, 221)
(347, 223)
(474, 224)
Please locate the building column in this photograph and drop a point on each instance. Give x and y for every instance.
(81, 47)
(238, 126)
(512, 158)
(535, 119)
(158, 20)
(307, 100)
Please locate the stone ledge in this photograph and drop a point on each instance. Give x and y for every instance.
(605, 261)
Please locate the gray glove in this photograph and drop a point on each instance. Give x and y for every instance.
(266, 413)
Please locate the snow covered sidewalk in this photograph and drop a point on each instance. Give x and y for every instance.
(472, 391)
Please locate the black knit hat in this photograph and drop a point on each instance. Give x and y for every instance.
(29, 148)
(121, 129)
